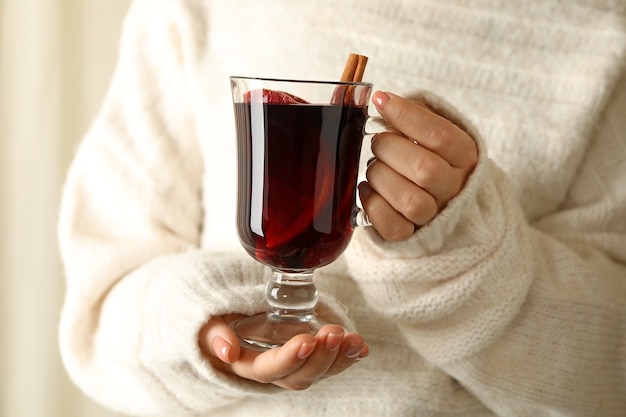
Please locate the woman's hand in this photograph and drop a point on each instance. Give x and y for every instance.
(295, 366)
(417, 168)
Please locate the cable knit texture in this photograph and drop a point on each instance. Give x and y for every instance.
(509, 303)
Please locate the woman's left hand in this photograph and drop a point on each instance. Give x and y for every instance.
(298, 364)
(417, 168)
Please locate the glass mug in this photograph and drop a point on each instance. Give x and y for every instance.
(298, 146)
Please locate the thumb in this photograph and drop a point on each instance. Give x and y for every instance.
(219, 340)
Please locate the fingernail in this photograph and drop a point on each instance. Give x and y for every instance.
(380, 100)
(221, 347)
(306, 349)
(363, 354)
(354, 350)
(333, 341)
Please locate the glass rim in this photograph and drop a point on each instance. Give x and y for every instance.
(302, 81)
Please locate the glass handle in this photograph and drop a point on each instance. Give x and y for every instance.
(360, 218)
(376, 124)
(372, 126)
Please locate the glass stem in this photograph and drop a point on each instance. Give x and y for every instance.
(292, 296)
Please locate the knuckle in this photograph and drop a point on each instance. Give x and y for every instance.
(375, 208)
(417, 207)
(442, 137)
(428, 171)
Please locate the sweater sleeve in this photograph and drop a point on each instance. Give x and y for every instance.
(528, 317)
(138, 287)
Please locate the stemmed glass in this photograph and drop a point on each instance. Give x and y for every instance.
(299, 144)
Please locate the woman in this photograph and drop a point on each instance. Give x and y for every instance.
(493, 279)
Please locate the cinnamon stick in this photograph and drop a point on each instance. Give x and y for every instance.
(353, 72)
(354, 69)
(360, 69)
(348, 71)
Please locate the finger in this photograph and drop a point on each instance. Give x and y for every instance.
(274, 364)
(429, 129)
(406, 198)
(390, 224)
(420, 165)
(353, 348)
(218, 340)
(329, 340)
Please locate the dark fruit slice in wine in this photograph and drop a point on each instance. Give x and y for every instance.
(271, 97)
(293, 223)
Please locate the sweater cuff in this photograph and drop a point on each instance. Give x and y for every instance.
(174, 297)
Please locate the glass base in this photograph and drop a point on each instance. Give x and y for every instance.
(273, 329)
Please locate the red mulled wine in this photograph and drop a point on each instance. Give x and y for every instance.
(298, 168)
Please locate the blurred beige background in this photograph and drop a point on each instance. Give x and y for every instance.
(56, 60)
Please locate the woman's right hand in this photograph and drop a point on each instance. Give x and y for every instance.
(297, 365)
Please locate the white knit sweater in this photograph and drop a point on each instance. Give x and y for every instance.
(512, 302)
